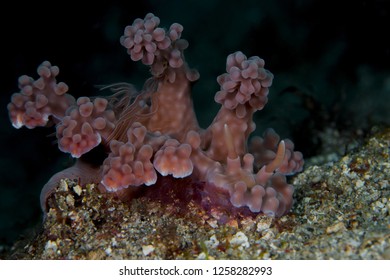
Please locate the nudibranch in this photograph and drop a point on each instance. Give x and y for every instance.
(153, 134)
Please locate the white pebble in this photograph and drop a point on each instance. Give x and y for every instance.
(359, 184)
(212, 242)
(77, 189)
(240, 239)
(147, 249)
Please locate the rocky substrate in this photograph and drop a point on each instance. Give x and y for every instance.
(341, 211)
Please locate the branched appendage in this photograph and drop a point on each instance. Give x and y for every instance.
(244, 90)
(174, 159)
(170, 87)
(152, 135)
(39, 99)
(265, 148)
(261, 191)
(160, 48)
(130, 164)
(85, 126)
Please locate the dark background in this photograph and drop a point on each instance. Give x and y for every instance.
(330, 60)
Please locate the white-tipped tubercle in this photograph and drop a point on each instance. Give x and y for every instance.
(278, 160)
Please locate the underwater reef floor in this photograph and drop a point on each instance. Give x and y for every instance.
(341, 211)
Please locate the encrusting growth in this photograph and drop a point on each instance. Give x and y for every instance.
(153, 134)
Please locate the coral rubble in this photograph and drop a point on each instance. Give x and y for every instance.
(342, 211)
